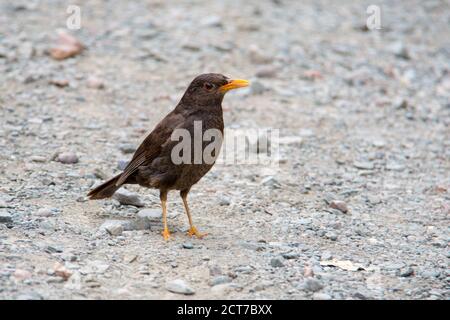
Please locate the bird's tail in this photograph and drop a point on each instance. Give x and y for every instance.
(105, 190)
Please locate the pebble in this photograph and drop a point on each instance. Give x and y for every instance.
(127, 148)
(244, 269)
(224, 201)
(188, 245)
(113, 227)
(20, 274)
(394, 166)
(179, 286)
(45, 212)
(29, 296)
(290, 140)
(223, 289)
(308, 272)
(94, 267)
(393, 265)
(363, 165)
(95, 83)
(321, 296)
(150, 214)
(401, 103)
(266, 72)
(257, 88)
(270, 182)
(39, 159)
(67, 158)
(399, 50)
(126, 197)
(408, 272)
(290, 255)
(312, 284)
(61, 83)
(276, 263)
(220, 280)
(430, 274)
(53, 249)
(122, 164)
(211, 21)
(331, 235)
(138, 224)
(5, 217)
(339, 205)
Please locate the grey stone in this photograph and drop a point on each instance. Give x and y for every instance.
(220, 280)
(270, 182)
(113, 227)
(326, 256)
(257, 88)
(212, 21)
(126, 197)
(224, 201)
(363, 165)
(312, 284)
(150, 214)
(127, 148)
(393, 265)
(188, 245)
(95, 267)
(29, 296)
(290, 255)
(38, 159)
(408, 272)
(321, 296)
(431, 273)
(5, 217)
(304, 221)
(266, 72)
(244, 269)
(45, 212)
(401, 103)
(179, 286)
(68, 158)
(399, 50)
(276, 263)
(395, 166)
(339, 205)
(122, 164)
(331, 235)
(53, 249)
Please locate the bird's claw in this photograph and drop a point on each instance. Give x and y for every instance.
(166, 234)
(194, 232)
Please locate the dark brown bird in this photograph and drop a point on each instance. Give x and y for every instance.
(155, 165)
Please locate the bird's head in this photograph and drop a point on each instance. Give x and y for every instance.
(209, 89)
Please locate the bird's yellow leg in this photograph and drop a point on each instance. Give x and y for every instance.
(192, 230)
(165, 233)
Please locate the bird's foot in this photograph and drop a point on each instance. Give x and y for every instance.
(166, 234)
(194, 232)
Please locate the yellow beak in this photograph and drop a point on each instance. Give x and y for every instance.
(234, 84)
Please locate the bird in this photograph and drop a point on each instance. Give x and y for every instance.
(153, 164)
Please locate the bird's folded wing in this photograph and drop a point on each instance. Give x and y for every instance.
(151, 146)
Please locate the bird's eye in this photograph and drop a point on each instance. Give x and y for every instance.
(208, 86)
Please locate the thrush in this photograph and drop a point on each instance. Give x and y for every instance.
(154, 164)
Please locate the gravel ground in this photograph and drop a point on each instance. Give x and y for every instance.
(357, 209)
